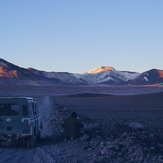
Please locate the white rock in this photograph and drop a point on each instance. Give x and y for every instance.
(136, 125)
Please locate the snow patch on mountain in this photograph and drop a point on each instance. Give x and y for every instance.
(104, 74)
(94, 78)
(129, 75)
(146, 78)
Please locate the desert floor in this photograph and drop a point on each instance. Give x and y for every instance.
(116, 129)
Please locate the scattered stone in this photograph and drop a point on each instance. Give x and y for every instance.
(85, 137)
(136, 125)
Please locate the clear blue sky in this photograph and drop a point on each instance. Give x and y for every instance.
(79, 35)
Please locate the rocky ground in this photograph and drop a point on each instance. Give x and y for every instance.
(112, 133)
(110, 141)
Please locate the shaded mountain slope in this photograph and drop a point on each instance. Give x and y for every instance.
(152, 76)
(12, 74)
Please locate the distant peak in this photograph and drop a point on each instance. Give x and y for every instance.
(30, 68)
(100, 69)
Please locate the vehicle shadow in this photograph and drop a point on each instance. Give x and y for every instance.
(48, 140)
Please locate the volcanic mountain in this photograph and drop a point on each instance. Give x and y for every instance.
(11, 74)
(108, 75)
(99, 75)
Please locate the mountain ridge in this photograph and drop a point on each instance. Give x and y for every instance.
(12, 74)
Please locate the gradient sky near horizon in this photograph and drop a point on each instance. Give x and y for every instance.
(79, 35)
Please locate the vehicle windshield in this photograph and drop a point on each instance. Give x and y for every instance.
(9, 110)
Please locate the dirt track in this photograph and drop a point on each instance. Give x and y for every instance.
(51, 148)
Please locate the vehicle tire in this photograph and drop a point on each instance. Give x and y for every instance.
(31, 141)
(38, 136)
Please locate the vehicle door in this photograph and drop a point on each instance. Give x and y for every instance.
(36, 118)
(10, 120)
(25, 119)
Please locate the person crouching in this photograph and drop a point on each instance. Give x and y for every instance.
(72, 127)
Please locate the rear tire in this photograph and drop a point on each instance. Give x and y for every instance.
(31, 141)
(38, 136)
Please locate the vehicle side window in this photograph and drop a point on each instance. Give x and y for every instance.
(24, 110)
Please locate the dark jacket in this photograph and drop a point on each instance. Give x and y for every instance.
(72, 127)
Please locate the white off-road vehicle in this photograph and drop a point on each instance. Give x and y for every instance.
(19, 119)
